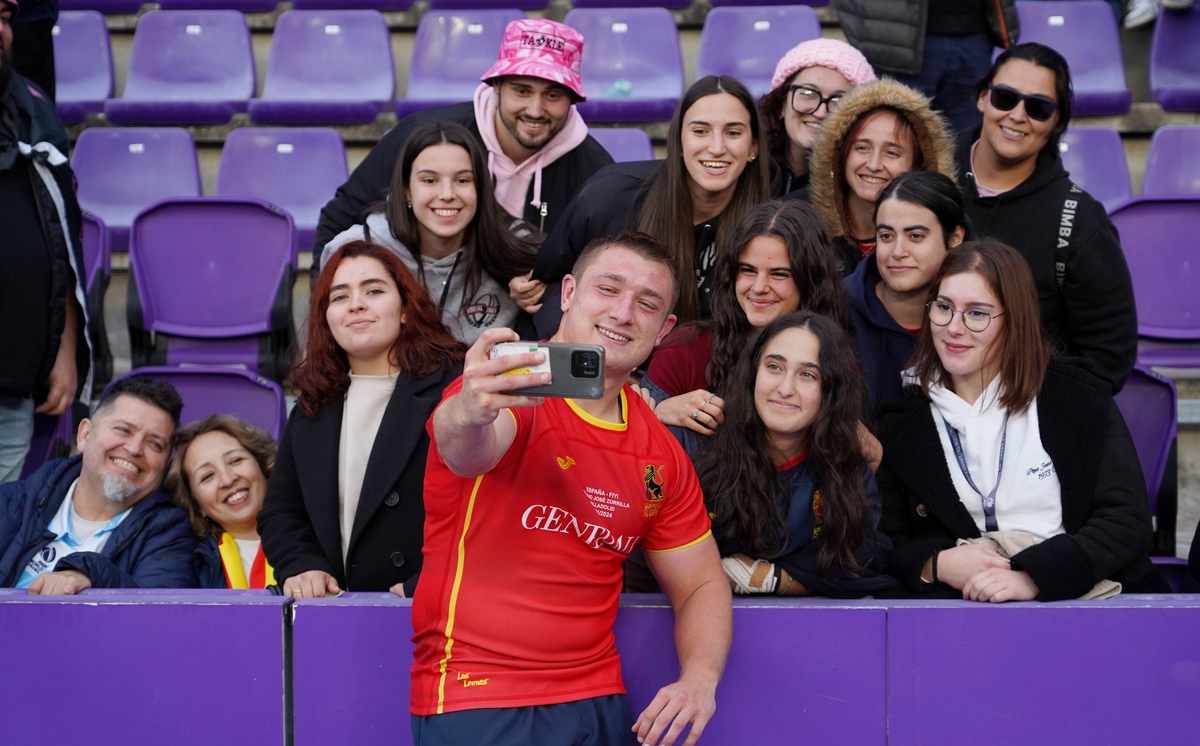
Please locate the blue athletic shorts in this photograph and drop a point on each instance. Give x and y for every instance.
(601, 721)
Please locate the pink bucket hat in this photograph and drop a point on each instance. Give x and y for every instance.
(543, 49)
(831, 53)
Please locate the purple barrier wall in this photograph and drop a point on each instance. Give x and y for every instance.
(1121, 671)
(811, 675)
(141, 667)
(351, 658)
(819, 672)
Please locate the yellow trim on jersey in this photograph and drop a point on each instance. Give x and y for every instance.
(458, 573)
(707, 534)
(621, 426)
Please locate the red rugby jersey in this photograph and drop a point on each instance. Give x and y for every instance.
(522, 571)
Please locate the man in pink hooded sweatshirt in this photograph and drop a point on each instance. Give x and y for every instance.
(539, 149)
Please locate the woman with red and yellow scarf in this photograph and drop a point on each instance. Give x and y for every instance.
(218, 475)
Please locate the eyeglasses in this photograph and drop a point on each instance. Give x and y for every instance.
(1004, 98)
(975, 319)
(807, 101)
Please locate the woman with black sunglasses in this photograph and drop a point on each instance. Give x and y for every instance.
(1016, 189)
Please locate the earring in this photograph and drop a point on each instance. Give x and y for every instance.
(410, 205)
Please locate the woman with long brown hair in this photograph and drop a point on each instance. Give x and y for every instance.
(1008, 475)
(793, 501)
(442, 219)
(690, 201)
(344, 507)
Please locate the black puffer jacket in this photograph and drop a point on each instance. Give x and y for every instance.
(891, 33)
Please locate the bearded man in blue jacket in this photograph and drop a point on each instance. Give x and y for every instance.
(101, 519)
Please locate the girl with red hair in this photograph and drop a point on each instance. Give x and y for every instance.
(344, 507)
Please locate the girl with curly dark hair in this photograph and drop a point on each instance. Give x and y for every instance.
(793, 501)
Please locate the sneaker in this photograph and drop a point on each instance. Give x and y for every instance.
(1141, 12)
(1177, 4)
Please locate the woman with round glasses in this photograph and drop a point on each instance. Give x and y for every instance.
(1007, 475)
(809, 83)
(879, 131)
(1017, 190)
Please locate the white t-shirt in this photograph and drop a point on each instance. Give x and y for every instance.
(73, 533)
(366, 401)
(248, 550)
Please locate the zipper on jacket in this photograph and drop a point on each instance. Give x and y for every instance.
(1003, 26)
(545, 210)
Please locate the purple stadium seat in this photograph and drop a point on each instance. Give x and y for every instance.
(53, 437)
(186, 67)
(243, 6)
(632, 68)
(450, 52)
(1173, 163)
(1158, 234)
(107, 7)
(624, 143)
(384, 6)
(97, 264)
(1174, 569)
(677, 4)
(747, 42)
(1175, 60)
(206, 391)
(327, 67)
(83, 68)
(297, 169)
(487, 4)
(1085, 32)
(212, 284)
(1095, 158)
(122, 170)
(1149, 403)
(723, 3)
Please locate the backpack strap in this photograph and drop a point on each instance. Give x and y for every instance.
(1066, 226)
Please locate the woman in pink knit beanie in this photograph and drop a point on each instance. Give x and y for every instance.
(808, 83)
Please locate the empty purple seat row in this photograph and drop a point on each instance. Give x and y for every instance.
(114, 7)
(123, 170)
(336, 67)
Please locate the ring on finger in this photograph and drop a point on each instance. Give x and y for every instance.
(696, 415)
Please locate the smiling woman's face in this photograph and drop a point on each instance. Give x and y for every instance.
(225, 480)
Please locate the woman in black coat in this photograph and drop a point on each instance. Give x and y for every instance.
(1007, 475)
(344, 508)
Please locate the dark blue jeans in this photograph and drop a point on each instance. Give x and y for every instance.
(950, 70)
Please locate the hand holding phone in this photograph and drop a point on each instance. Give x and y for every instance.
(577, 371)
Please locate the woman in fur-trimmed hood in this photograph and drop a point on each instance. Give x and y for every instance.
(879, 131)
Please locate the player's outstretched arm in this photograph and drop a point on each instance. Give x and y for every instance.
(471, 436)
(699, 593)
